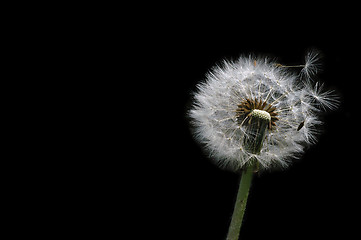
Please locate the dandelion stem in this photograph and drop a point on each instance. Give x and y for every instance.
(241, 202)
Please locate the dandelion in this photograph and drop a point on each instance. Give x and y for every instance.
(255, 114)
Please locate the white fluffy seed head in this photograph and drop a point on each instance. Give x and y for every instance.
(234, 93)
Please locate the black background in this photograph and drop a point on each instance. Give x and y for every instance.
(191, 198)
(118, 158)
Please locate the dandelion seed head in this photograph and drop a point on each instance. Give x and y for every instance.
(255, 102)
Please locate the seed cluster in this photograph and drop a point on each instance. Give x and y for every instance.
(237, 107)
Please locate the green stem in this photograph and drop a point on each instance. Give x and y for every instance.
(240, 205)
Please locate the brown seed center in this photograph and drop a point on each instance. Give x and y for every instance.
(244, 110)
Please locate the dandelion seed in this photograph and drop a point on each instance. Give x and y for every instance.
(312, 64)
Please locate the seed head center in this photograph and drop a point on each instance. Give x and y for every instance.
(250, 109)
(260, 114)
